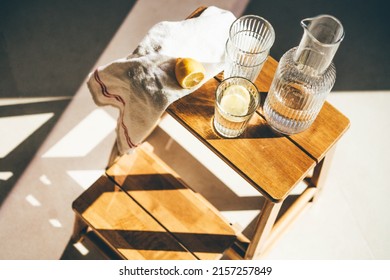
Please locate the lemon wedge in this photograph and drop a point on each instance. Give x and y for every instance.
(189, 72)
(235, 100)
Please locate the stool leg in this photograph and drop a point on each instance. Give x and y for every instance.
(263, 228)
(79, 228)
(320, 173)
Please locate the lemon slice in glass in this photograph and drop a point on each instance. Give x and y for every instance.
(235, 100)
(189, 72)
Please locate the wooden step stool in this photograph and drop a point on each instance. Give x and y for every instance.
(142, 209)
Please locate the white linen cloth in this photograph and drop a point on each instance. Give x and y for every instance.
(143, 84)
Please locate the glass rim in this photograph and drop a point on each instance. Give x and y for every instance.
(336, 20)
(259, 18)
(257, 100)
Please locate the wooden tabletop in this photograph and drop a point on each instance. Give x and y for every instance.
(274, 164)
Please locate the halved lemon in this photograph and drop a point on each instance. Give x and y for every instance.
(189, 72)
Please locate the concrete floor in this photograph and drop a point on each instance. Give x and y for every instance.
(63, 141)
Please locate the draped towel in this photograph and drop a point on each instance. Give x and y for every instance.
(143, 84)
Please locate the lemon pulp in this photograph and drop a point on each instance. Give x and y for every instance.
(235, 100)
(189, 72)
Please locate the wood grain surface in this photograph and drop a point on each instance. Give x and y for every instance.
(273, 163)
(123, 225)
(192, 220)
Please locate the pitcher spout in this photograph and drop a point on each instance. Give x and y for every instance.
(320, 41)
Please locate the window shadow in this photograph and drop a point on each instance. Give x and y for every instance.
(47, 48)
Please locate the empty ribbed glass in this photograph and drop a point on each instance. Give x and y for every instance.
(250, 39)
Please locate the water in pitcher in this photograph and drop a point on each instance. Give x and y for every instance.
(293, 103)
(304, 77)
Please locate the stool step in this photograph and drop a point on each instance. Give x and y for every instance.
(149, 212)
(124, 226)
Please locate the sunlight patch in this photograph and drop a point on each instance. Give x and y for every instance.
(45, 180)
(26, 125)
(29, 100)
(242, 218)
(5, 175)
(81, 248)
(84, 137)
(85, 178)
(55, 223)
(33, 201)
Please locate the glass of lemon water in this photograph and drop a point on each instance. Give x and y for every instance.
(236, 100)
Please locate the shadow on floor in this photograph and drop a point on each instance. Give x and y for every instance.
(200, 179)
(46, 50)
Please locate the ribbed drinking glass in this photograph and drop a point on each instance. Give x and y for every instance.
(250, 40)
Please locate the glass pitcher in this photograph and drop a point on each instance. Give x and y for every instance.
(304, 77)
